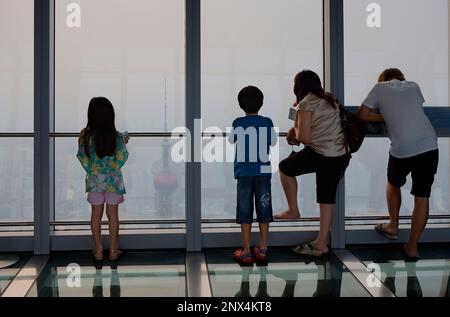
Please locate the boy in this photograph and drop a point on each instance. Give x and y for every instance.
(253, 136)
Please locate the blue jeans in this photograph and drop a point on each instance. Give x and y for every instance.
(257, 189)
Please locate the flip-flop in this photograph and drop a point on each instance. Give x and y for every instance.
(308, 250)
(409, 258)
(390, 236)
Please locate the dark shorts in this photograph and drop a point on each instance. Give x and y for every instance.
(422, 167)
(257, 189)
(328, 170)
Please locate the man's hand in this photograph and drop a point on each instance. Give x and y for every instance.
(368, 115)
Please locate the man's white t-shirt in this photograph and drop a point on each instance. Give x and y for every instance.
(401, 104)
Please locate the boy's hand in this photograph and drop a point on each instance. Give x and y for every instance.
(291, 137)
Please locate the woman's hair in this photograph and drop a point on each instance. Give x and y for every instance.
(390, 74)
(100, 127)
(307, 82)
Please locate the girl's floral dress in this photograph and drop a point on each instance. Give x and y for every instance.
(103, 175)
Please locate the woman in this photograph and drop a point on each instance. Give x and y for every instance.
(318, 127)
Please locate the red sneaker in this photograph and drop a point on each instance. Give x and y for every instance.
(246, 258)
(261, 254)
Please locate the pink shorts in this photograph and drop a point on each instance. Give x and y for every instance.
(97, 199)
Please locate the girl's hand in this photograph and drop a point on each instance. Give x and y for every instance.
(80, 138)
(125, 137)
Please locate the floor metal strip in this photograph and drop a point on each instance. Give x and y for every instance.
(26, 277)
(370, 281)
(197, 278)
(445, 286)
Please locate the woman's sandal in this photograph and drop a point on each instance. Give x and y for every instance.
(308, 249)
(97, 255)
(379, 228)
(114, 255)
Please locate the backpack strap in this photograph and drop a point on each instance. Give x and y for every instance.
(342, 110)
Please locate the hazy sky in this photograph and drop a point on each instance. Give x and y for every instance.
(133, 52)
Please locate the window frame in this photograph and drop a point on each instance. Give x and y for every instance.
(192, 237)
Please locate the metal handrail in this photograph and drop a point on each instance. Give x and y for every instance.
(206, 221)
(134, 134)
(17, 135)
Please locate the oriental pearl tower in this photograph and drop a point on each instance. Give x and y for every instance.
(164, 180)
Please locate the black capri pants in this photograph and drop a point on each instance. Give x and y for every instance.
(329, 171)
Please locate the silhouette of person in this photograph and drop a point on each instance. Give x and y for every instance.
(114, 288)
(244, 290)
(262, 286)
(290, 277)
(330, 284)
(389, 269)
(448, 287)
(97, 288)
(413, 288)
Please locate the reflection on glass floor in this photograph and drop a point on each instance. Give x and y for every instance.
(7, 274)
(145, 274)
(429, 277)
(163, 274)
(287, 275)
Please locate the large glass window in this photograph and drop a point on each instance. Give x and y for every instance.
(254, 42)
(219, 189)
(155, 185)
(132, 52)
(408, 34)
(129, 51)
(365, 187)
(412, 35)
(16, 188)
(16, 65)
(16, 108)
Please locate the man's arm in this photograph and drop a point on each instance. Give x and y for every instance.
(368, 115)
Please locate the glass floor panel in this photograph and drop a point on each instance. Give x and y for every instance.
(429, 277)
(286, 275)
(9, 273)
(137, 274)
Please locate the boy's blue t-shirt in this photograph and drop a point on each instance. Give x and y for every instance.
(253, 136)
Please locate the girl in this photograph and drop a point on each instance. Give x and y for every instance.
(318, 127)
(102, 152)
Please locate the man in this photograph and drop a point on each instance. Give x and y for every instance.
(414, 150)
